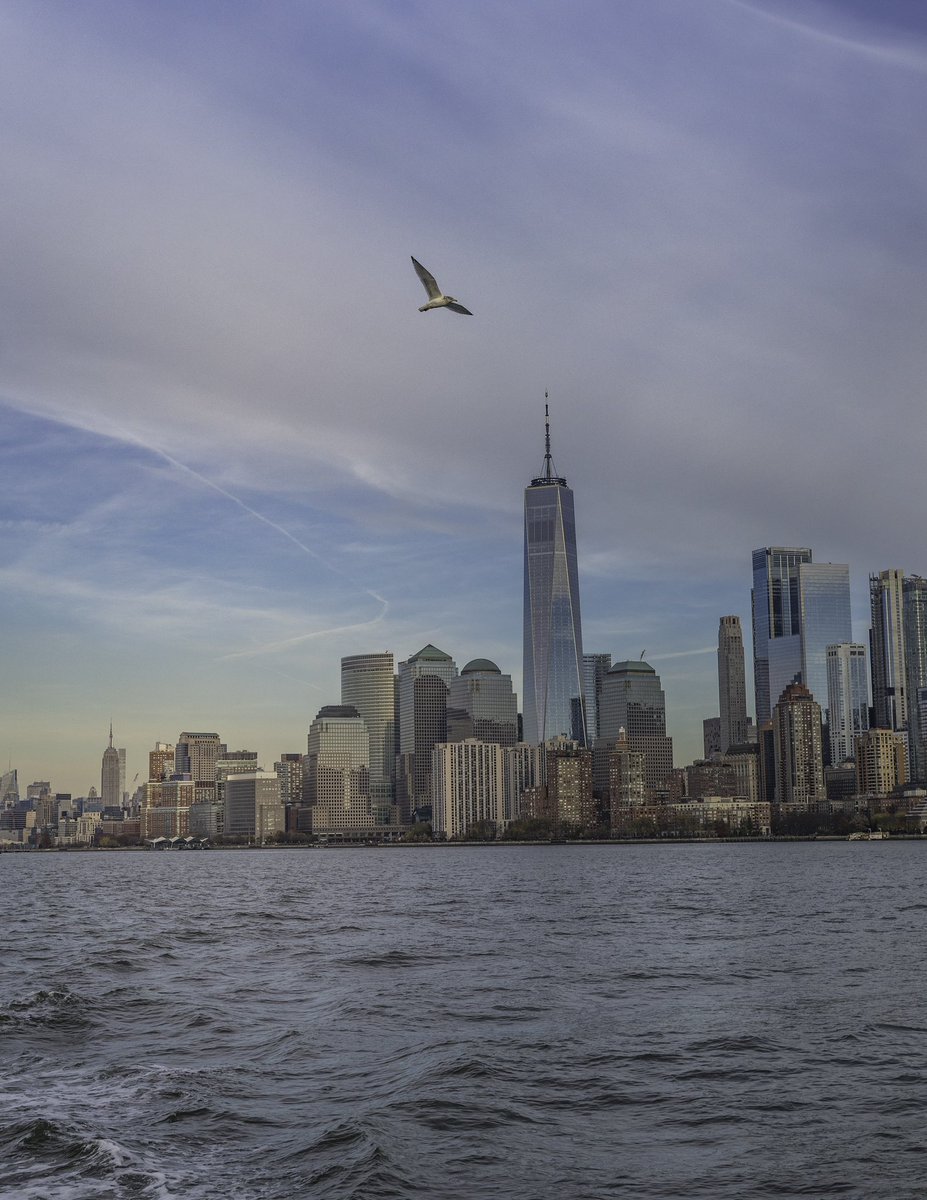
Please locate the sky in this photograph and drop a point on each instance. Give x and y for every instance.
(231, 448)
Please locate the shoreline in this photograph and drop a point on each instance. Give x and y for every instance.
(474, 845)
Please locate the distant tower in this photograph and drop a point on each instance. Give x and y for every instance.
(424, 679)
(798, 748)
(553, 640)
(824, 597)
(799, 609)
(337, 770)
(881, 762)
(633, 700)
(368, 682)
(595, 668)
(196, 755)
(915, 654)
(161, 761)
(776, 622)
(625, 779)
(110, 791)
(886, 649)
(481, 704)
(847, 698)
(732, 687)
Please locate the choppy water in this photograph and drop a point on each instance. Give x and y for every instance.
(635, 1021)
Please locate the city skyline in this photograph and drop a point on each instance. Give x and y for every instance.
(222, 473)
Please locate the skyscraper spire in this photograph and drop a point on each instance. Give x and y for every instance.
(553, 646)
(547, 472)
(111, 733)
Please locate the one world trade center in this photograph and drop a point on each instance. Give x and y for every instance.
(553, 630)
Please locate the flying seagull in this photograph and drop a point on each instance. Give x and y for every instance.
(436, 298)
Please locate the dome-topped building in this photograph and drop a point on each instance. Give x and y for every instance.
(481, 704)
(480, 666)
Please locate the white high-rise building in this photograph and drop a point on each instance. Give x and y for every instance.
(847, 698)
(468, 786)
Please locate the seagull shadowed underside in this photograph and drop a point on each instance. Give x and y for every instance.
(436, 298)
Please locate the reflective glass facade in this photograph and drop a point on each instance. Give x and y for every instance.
(886, 643)
(847, 698)
(824, 598)
(553, 643)
(776, 623)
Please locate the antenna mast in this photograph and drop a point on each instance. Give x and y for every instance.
(547, 471)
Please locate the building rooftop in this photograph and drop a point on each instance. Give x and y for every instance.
(337, 710)
(481, 665)
(430, 654)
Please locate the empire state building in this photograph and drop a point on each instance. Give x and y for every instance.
(553, 637)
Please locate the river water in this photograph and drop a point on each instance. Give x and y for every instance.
(510, 1022)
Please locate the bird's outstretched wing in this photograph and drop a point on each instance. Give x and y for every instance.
(459, 308)
(428, 280)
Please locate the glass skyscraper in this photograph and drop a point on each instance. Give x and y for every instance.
(886, 646)
(824, 598)
(553, 641)
(776, 623)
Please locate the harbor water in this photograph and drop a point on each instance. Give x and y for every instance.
(702, 1020)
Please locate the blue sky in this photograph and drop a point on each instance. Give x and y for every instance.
(232, 450)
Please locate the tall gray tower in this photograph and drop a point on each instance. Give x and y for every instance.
(110, 790)
(553, 640)
(732, 686)
(886, 649)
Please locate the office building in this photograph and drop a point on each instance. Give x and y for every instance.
(337, 771)
(711, 736)
(798, 748)
(368, 683)
(553, 643)
(886, 650)
(732, 685)
(252, 806)
(914, 592)
(468, 788)
(196, 755)
(110, 789)
(481, 704)
(881, 762)
(424, 679)
(776, 622)
(847, 698)
(626, 786)
(824, 600)
(595, 668)
(633, 700)
(525, 769)
(569, 785)
(799, 609)
(231, 762)
(161, 761)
